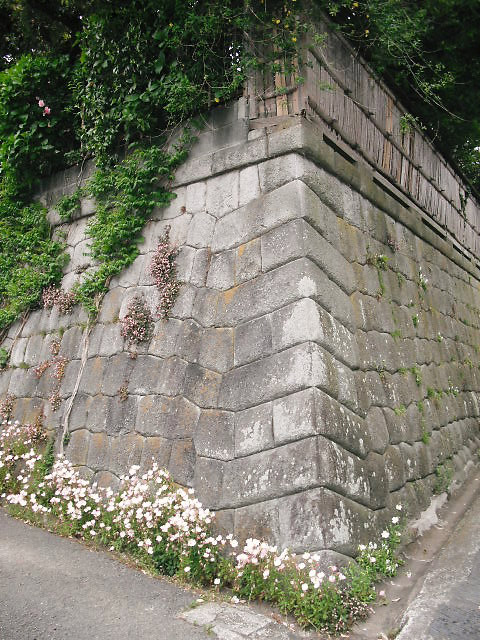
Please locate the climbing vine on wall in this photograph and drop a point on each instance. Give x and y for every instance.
(136, 72)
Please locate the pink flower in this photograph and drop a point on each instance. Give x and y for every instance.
(46, 111)
(41, 103)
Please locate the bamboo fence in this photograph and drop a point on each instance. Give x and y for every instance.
(344, 95)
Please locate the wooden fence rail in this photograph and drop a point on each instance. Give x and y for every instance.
(344, 94)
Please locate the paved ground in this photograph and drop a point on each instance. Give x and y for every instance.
(52, 588)
(448, 605)
(436, 595)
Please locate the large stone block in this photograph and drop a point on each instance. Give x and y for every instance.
(78, 447)
(270, 474)
(223, 194)
(202, 386)
(98, 450)
(253, 340)
(125, 451)
(208, 481)
(182, 419)
(152, 415)
(305, 365)
(321, 519)
(214, 435)
(182, 462)
(248, 261)
(253, 430)
(216, 349)
(155, 450)
(200, 231)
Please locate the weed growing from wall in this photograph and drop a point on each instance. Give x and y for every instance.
(164, 273)
(137, 324)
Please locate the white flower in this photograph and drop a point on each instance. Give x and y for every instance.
(385, 534)
(235, 600)
(266, 573)
(304, 587)
(216, 581)
(187, 569)
(395, 520)
(301, 565)
(398, 507)
(331, 578)
(372, 559)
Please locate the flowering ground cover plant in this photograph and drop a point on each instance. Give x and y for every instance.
(168, 530)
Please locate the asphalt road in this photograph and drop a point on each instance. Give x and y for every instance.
(52, 588)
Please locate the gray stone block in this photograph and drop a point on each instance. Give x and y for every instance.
(214, 435)
(155, 450)
(222, 194)
(253, 340)
(294, 417)
(98, 450)
(249, 185)
(152, 415)
(208, 481)
(165, 336)
(216, 349)
(341, 425)
(195, 197)
(182, 419)
(200, 231)
(270, 474)
(121, 416)
(291, 370)
(260, 521)
(221, 274)
(320, 518)
(201, 265)
(182, 462)
(253, 430)
(248, 261)
(78, 447)
(125, 451)
(117, 372)
(202, 386)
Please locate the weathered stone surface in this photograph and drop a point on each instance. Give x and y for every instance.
(152, 415)
(155, 450)
(98, 451)
(253, 340)
(222, 194)
(248, 261)
(253, 430)
(272, 473)
(78, 447)
(302, 366)
(125, 451)
(202, 386)
(214, 435)
(182, 462)
(201, 230)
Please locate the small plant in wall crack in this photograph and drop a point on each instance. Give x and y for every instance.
(123, 392)
(164, 273)
(56, 297)
(137, 324)
(6, 406)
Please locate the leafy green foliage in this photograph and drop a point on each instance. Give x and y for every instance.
(37, 121)
(29, 260)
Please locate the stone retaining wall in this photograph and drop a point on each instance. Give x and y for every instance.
(299, 386)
